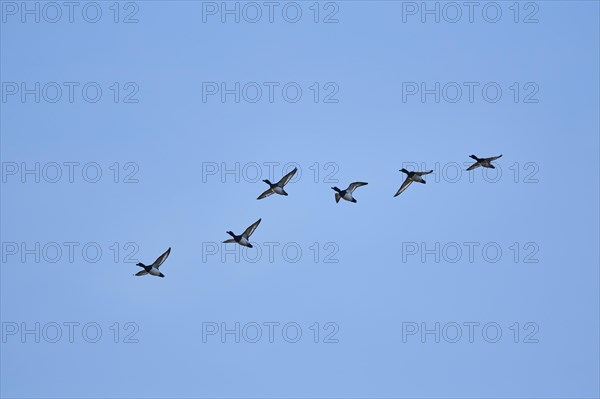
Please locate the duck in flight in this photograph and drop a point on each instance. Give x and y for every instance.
(347, 193)
(245, 236)
(485, 162)
(411, 177)
(277, 188)
(153, 268)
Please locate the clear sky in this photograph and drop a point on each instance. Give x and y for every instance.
(499, 266)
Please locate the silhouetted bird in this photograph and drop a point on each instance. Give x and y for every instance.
(347, 193)
(411, 177)
(243, 238)
(485, 162)
(277, 188)
(153, 268)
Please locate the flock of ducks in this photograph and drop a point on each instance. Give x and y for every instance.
(278, 188)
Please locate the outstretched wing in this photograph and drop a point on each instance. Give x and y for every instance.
(490, 159)
(228, 241)
(141, 273)
(337, 197)
(423, 173)
(403, 187)
(248, 232)
(475, 165)
(355, 185)
(286, 179)
(265, 194)
(160, 260)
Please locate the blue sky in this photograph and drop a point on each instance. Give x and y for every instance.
(374, 277)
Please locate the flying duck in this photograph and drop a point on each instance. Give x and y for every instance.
(485, 162)
(411, 177)
(153, 268)
(277, 188)
(347, 193)
(243, 238)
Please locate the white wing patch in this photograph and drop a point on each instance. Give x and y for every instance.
(403, 187)
(286, 179)
(267, 193)
(248, 232)
(160, 260)
(354, 186)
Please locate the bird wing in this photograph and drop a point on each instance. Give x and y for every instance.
(475, 165)
(403, 187)
(423, 173)
(228, 241)
(286, 179)
(337, 197)
(160, 260)
(141, 273)
(248, 232)
(490, 159)
(354, 186)
(265, 194)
